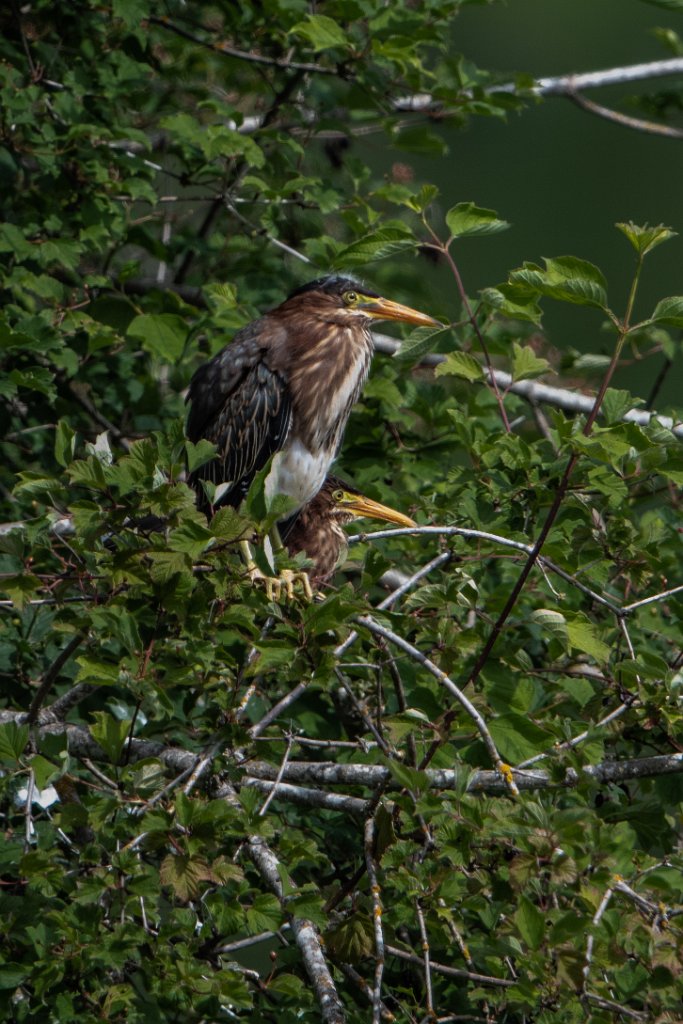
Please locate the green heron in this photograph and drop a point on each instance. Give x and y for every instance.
(284, 388)
(317, 528)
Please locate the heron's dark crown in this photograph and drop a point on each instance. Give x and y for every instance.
(334, 284)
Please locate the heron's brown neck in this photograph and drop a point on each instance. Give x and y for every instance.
(330, 368)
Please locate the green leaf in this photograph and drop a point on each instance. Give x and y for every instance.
(162, 335)
(111, 733)
(13, 740)
(565, 278)
(512, 302)
(65, 443)
(616, 404)
(530, 922)
(229, 525)
(12, 975)
(551, 620)
(669, 312)
(322, 33)
(352, 940)
(20, 588)
(526, 364)
(466, 219)
(582, 635)
(460, 364)
(184, 874)
(45, 771)
(376, 246)
(418, 342)
(411, 778)
(644, 239)
(517, 737)
(198, 454)
(265, 914)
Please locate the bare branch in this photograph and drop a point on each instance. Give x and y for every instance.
(453, 972)
(649, 127)
(368, 844)
(51, 674)
(447, 682)
(544, 394)
(231, 51)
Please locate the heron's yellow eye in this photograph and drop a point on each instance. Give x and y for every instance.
(350, 298)
(337, 495)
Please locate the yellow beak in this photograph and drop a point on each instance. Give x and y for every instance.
(385, 309)
(359, 506)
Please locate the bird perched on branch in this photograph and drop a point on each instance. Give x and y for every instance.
(284, 387)
(317, 529)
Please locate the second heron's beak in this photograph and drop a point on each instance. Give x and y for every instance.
(358, 505)
(385, 309)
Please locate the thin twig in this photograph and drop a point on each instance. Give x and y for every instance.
(294, 694)
(278, 779)
(229, 51)
(425, 953)
(447, 682)
(453, 972)
(369, 844)
(51, 674)
(641, 125)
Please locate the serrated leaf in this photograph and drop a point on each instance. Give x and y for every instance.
(411, 778)
(419, 341)
(13, 740)
(167, 564)
(111, 733)
(227, 525)
(517, 737)
(161, 334)
(184, 874)
(20, 588)
(583, 636)
(644, 239)
(44, 770)
(526, 364)
(198, 454)
(551, 620)
(65, 443)
(460, 364)
(376, 246)
(264, 915)
(616, 404)
(512, 302)
(352, 940)
(530, 922)
(566, 278)
(466, 219)
(323, 33)
(669, 312)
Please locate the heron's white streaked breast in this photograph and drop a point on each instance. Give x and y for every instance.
(297, 472)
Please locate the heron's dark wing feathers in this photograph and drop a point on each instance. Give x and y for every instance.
(243, 406)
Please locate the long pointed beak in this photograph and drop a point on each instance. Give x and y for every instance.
(385, 309)
(362, 506)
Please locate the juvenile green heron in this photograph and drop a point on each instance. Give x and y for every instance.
(317, 528)
(284, 387)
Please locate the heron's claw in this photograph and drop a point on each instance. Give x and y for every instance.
(286, 583)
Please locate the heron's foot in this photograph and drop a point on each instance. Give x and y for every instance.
(286, 583)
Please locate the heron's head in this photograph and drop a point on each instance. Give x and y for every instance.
(346, 301)
(344, 503)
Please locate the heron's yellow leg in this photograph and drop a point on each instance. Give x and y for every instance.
(287, 579)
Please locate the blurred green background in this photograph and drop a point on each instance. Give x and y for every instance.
(562, 176)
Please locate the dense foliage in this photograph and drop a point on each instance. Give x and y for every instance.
(163, 170)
